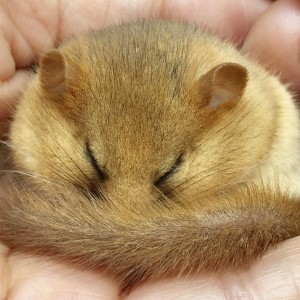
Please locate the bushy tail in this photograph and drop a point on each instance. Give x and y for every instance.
(221, 232)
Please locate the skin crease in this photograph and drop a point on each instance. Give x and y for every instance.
(20, 277)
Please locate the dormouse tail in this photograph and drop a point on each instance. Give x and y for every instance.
(227, 231)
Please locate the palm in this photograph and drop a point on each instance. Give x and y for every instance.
(31, 27)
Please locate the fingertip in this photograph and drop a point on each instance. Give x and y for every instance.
(8, 64)
(10, 92)
(275, 40)
(11, 89)
(229, 19)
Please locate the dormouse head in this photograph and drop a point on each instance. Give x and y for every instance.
(133, 118)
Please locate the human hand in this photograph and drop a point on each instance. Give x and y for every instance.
(31, 27)
(276, 276)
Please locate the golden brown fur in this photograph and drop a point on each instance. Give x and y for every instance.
(142, 98)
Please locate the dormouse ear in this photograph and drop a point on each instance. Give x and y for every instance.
(224, 83)
(53, 73)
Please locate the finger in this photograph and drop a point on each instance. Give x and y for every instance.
(7, 69)
(10, 91)
(27, 29)
(4, 273)
(276, 276)
(30, 27)
(226, 17)
(275, 40)
(40, 279)
(82, 15)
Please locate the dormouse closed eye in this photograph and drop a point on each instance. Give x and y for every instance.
(100, 173)
(167, 175)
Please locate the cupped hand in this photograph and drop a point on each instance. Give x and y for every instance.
(31, 27)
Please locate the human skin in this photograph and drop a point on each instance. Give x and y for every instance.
(31, 27)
